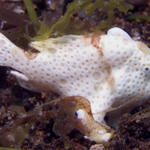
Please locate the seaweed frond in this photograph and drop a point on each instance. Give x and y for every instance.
(42, 33)
(69, 24)
(108, 7)
(31, 12)
(41, 29)
(63, 23)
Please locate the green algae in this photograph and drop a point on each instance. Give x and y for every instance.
(63, 23)
(41, 29)
(43, 32)
(108, 7)
(31, 12)
(68, 24)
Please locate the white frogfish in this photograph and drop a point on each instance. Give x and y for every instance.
(109, 70)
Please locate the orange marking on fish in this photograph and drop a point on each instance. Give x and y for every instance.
(30, 55)
(111, 81)
(86, 36)
(95, 40)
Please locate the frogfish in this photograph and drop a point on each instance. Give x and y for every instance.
(110, 70)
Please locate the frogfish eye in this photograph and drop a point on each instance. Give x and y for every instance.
(146, 69)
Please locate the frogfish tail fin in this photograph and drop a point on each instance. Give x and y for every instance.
(8, 51)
